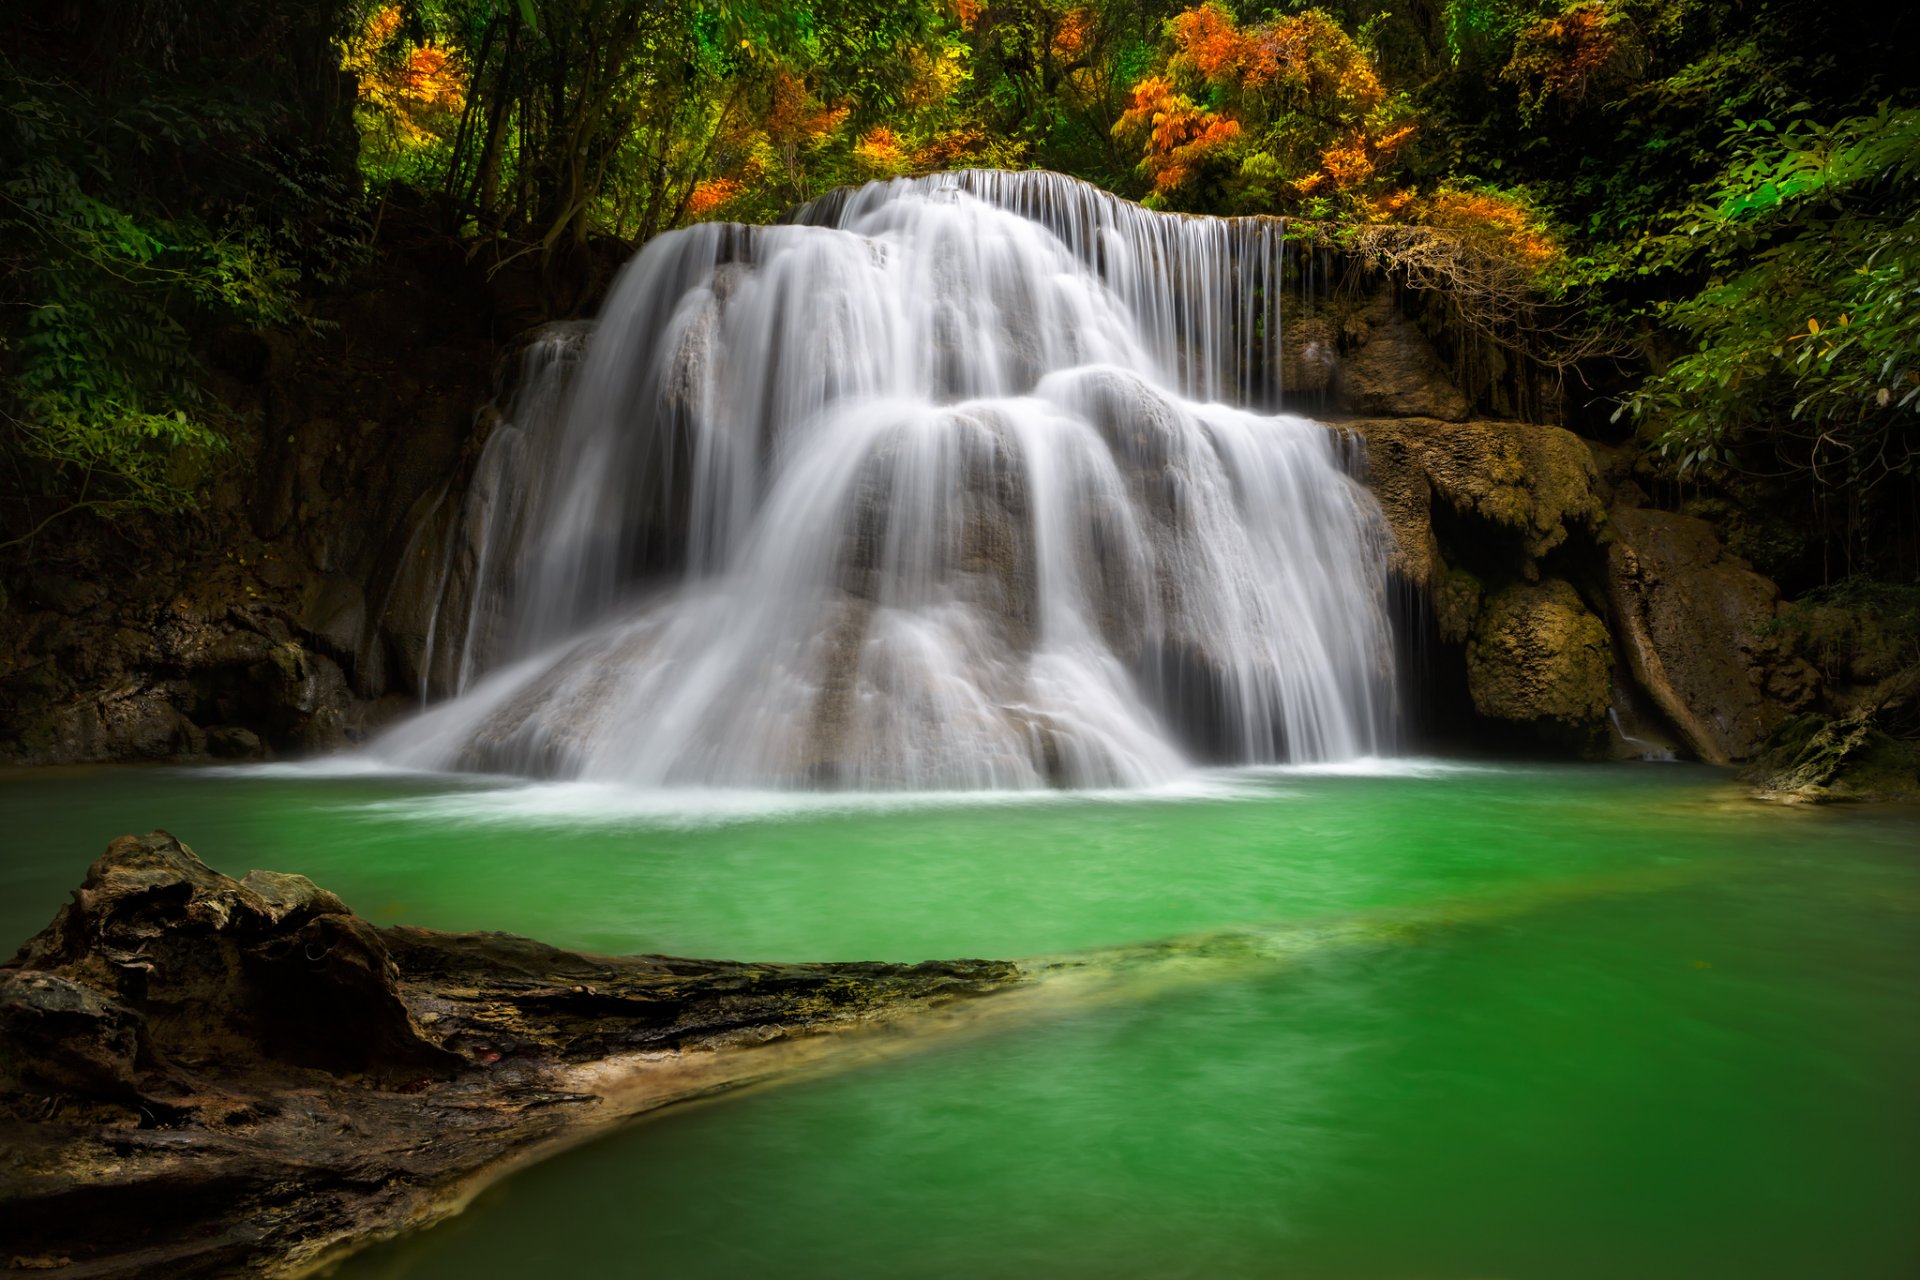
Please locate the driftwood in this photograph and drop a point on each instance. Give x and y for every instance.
(201, 1076)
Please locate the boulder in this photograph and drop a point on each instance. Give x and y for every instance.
(1540, 659)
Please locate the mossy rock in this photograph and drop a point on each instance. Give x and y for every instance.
(1539, 658)
(1811, 759)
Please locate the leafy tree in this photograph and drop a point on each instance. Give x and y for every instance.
(153, 181)
(1806, 338)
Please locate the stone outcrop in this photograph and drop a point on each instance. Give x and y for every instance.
(1386, 366)
(1521, 489)
(1538, 658)
(1496, 522)
(1696, 625)
(245, 629)
(208, 1077)
(1490, 520)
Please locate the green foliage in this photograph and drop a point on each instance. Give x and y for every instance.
(1807, 334)
(143, 200)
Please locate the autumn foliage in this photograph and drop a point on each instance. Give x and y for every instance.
(1501, 223)
(1564, 56)
(1284, 115)
(403, 86)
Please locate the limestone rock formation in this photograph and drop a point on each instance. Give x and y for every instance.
(1388, 367)
(1539, 658)
(1524, 489)
(208, 1077)
(1695, 625)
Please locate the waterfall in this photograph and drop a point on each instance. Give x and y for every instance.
(966, 481)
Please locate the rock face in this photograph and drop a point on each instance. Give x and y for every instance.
(1497, 521)
(1695, 625)
(1388, 368)
(1491, 521)
(258, 630)
(1517, 489)
(201, 1076)
(1538, 658)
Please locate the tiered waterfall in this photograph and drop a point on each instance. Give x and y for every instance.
(966, 481)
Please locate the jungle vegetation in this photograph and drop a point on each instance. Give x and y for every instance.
(1705, 214)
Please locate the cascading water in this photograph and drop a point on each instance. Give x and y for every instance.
(932, 488)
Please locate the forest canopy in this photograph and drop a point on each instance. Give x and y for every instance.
(1704, 213)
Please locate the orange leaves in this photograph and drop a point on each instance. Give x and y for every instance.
(1294, 97)
(1347, 163)
(967, 11)
(432, 78)
(951, 148)
(794, 117)
(1180, 134)
(1304, 56)
(381, 26)
(711, 194)
(407, 91)
(881, 152)
(1500, 221)
(1562, 56)
(1074, 35)
(1209, 44)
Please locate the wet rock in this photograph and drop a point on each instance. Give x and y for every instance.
(1539, 658)
(1813, 759)
(208, 1077)
(1388, 368)
(1523, 489)
(1696, 625)
(234, 742)
(1455, 598)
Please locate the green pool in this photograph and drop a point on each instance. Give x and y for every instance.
(1687, 1044)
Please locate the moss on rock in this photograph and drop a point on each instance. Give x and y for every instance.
(1532, 484)
(1539, 658)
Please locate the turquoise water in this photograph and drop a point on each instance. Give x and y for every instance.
(1687, 1044)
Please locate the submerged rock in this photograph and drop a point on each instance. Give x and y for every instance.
(202, 1076)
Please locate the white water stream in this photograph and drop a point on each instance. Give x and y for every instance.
(936, 488)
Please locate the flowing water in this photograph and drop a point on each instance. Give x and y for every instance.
(834, 544)
(938, 487)
(1648, 1029)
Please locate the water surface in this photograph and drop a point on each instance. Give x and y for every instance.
(1685, 1045)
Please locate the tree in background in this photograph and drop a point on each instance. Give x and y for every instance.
(1700, 211)
(171, 170)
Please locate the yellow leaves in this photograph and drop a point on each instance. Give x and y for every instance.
(1498, 221)
(936, 78)
(880, 152)
(406, 91)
